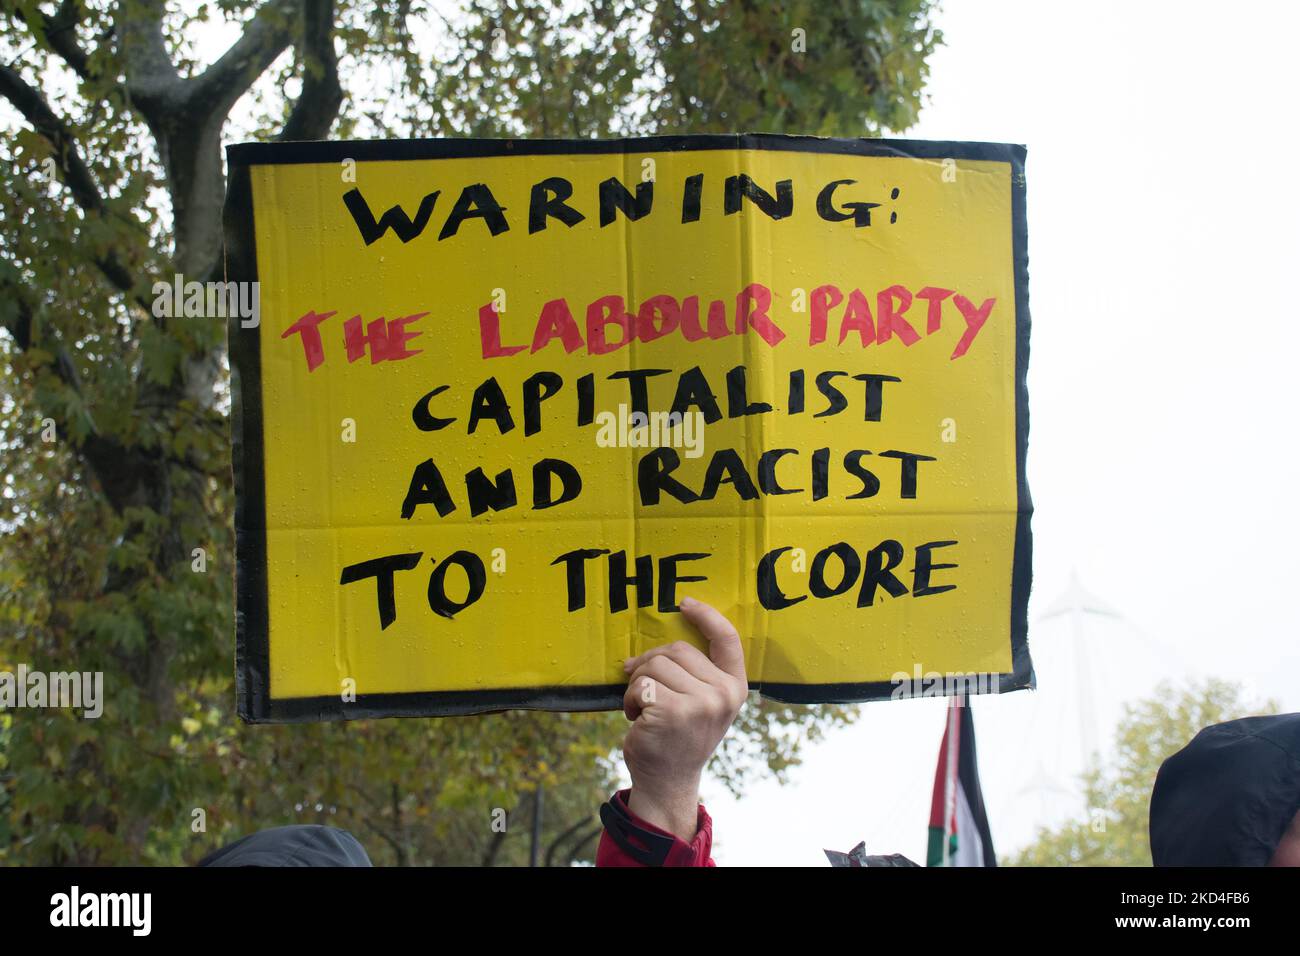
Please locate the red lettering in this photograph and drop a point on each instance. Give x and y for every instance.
(890, 319)
(489, 333)
(857, 318)
(312, 347)
(605, 311)
(398, 336)
(666, 309)
(760, 296)
(375, 338)
(823, 299)
(556, 321)
(934, 297)
(975, 319)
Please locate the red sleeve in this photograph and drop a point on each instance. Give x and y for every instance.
(630, 841)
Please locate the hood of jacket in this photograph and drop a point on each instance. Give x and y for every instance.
(1227, 798)
(300, 845)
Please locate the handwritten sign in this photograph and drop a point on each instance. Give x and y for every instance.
(506, 402)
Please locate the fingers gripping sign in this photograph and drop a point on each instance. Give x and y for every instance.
(640, 695)
(681, 703)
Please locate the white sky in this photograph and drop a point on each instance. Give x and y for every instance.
(1164, 231)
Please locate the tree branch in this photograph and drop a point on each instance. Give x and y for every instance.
(152, 83)
(105, 456)
(76, 174)
(58, 31)
(559, 841)
(581, 842)
(28, 101)
(266, 36)
(494, 847)
(318, 103)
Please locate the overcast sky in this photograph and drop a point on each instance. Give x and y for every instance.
(1164, 235)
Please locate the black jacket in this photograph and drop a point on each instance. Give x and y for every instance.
(1227, 798)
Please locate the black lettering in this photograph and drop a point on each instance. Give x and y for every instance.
(738, 403)
(484, 493)
(653, 476)
(859, 212)
(586, 399)
(738, 188)
(767, 471)
(693, 389)
(395, 218)
(570, 483)
(490, 402)
(614, 197)
(575, 574)
(669, 578)
(475, 202)
(637, 393)
(835, 400)
(427, 488)
(423, 418)
(821, 461)
(382, 570)
(881, 560)
(538, 387)
(875, 390)
(921, 586)
(691, 193)
(907, 478)
(870, 483)
(817, 573)
(547, 199)
(726, 468)
(644, 579)
(475, 574)
(770, 594)
(795, 403)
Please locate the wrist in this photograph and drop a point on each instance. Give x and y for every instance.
(674, 809)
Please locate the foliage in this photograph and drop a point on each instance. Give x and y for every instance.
(124, 104)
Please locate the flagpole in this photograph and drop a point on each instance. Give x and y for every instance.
(950, 776)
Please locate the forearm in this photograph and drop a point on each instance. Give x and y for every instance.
(673, 809)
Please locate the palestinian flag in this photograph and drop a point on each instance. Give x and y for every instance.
(965, 840)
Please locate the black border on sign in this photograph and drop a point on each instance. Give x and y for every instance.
(252, 636)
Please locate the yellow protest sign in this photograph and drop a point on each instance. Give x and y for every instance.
(505, 402)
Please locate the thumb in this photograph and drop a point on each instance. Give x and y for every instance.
(724, 643)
